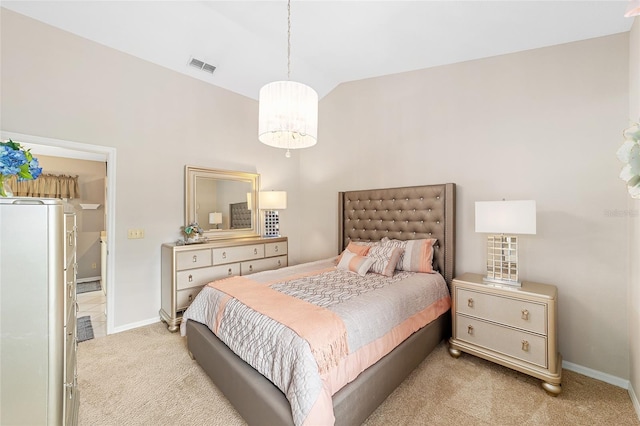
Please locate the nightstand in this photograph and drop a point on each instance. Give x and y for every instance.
(512, 326)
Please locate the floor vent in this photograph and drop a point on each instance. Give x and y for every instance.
(201, 65)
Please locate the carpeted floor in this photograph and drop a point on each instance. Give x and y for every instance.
(145, 377)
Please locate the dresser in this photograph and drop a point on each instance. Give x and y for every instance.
(187, 268)
(512, 326)
(37, 313)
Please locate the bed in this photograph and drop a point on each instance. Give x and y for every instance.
(408, 213)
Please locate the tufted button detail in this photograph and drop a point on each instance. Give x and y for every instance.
(421, 198)
(438, 197)
(437, 221)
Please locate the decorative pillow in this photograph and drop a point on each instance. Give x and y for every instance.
(355, 263)
(417, 255)
(385, 258)
(359, 248)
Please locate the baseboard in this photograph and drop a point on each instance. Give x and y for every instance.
(595, 374)
(133, 325)
(634, 400)
(88, 279)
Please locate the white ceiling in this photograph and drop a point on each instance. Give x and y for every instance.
(332, 41)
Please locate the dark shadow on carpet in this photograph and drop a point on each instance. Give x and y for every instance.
(84, 328)
(87, 287)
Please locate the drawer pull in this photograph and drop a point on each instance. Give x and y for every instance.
(190, 278)
(470, 329)
(525, 346)
(70, 239)
(250, 268)
(190, 298)
(279, 262)
(230, 272)
(276, 249)
(470, 302)
(224, 254)
(525, 315)
(255, 250)
(195, 258)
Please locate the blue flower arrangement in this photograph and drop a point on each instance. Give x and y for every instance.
(16, 161)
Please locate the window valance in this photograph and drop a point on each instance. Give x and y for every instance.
(46, 186)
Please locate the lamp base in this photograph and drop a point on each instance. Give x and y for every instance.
(497, 281)
(271, 224)
(502, 260)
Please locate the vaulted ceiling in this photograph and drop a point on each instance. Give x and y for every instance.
(331, 41)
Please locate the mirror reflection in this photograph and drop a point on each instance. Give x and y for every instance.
(222, 202)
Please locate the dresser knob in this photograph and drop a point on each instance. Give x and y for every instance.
(224, 254)
(190, 278)
(525, 315)
(276, 249)
(251, 268)
(230, 272)
(255, 251)
(279, 263)
(470, 303)
(195, 258)
(525, 346)
(470, 329)
(190, 297)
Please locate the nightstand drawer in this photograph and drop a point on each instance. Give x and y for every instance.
(202, 276)
(259, 265)
(185, 297)
(504, 310)
(508, 341)
(193, 259)
(237, 254)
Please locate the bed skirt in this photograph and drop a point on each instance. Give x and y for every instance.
(260, 402)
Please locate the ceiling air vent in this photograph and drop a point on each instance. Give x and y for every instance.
(201, 65)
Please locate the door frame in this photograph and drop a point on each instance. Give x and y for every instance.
(85, 151)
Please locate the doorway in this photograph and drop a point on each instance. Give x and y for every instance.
(107, 155)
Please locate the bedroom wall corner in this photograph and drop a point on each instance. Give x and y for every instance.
(634, 228)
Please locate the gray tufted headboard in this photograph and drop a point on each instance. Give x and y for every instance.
(407, 213)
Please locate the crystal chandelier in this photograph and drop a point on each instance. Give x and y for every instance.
(288, 111)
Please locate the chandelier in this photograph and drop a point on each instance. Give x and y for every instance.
(288, 111)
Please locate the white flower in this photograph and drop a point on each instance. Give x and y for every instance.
(629, 153)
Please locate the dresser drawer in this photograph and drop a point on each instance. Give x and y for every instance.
(185, 297)
(237, 254)
(508, 341)
(504, 310)
(193, 259)
(275, 249)
(199, 277)
(253, 266)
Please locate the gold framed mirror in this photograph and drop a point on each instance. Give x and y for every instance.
(224, 203)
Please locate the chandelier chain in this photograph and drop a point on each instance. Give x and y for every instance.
(289, 40)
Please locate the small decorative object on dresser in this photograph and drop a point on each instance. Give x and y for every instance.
(512, 326)
(187, 268)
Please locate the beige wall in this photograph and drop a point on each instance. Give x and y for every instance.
(634, 222)
(91, 180)
(543, 124)
(57, 85)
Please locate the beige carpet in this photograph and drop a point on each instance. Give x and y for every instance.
(145, 377)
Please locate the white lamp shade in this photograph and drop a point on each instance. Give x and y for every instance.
(272, 200)
(215, 218)
(506, 217)
(288, 115)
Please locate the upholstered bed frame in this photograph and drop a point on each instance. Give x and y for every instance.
(369, 215)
